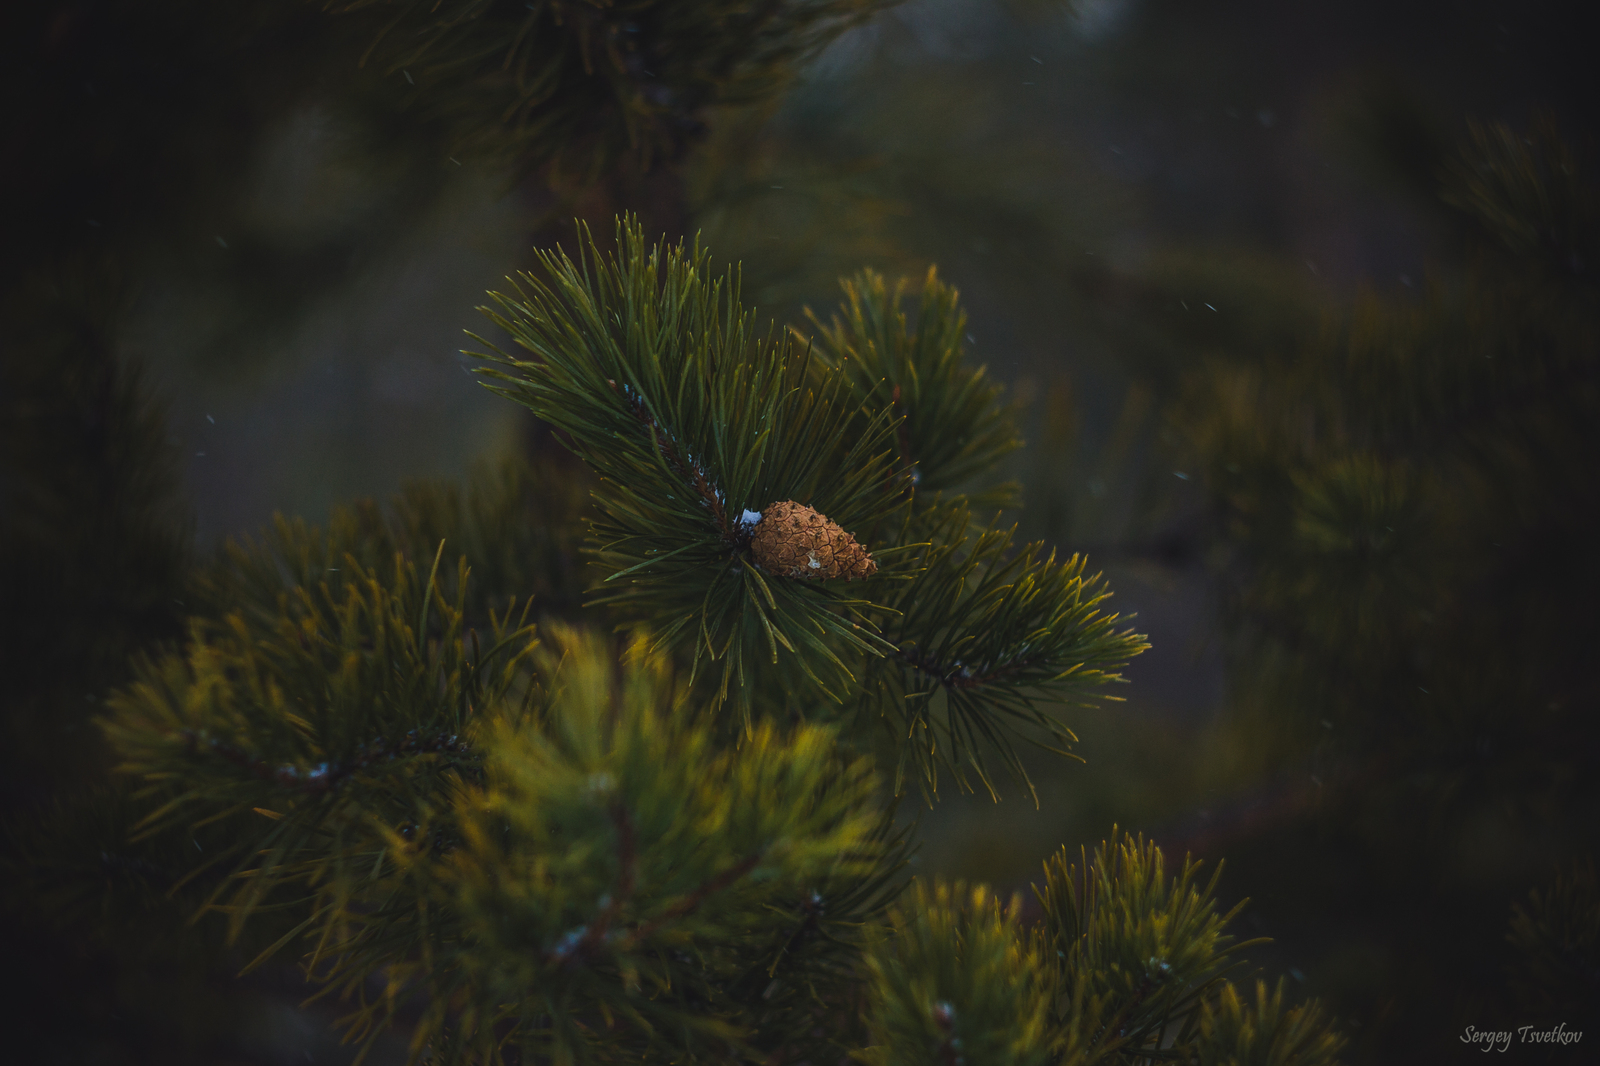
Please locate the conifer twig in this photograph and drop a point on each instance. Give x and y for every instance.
(692, 470)
(328, 776)
(690, 903)
(627, 860)
(960, 676)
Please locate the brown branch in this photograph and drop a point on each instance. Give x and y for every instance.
(811, 908)
(689, 470)
(328, 776)
(1122, 1015)
(944, 1016)
(760, 982)
(959, 677)
(690, 903)
(626, 862)
(587, 944)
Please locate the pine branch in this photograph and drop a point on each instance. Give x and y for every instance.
(656, 376)
(988, 643)
(685, 468)
(955, 979)
(326, 777)
(560, 932)
(654, 371)
(338, 712)
(1144, 951)
(516, 521)
(950, 425)
(1233, 1030)
(584, 85)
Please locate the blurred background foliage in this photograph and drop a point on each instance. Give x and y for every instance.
(1299, 303)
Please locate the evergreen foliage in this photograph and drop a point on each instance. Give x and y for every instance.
(1342, 468)
(518, 521)
(1234, 1032)
(527, 848)
(957, 981)
(1126, 967)
(583, 83)
(95, 547)
(953, 426)
(519, 843)
(1557, 939)
(1400, 505)
(1138, 956)
(657, 377)
(307, 715)
(989, 640)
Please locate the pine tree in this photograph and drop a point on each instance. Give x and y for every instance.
(1397, 501)
(679, 847)
(516, 822)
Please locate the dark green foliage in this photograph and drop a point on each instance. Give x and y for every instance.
(1529, 193)
(569, 852)
(517, 522)
(619, 866)
(583, 83)
(1126, 967)
(1235, 1032)
(354, 752)
(1137, 956)
(1404, 506)
(352, 706)
(1557, 939)
(518, 853)
(989, 639)
(955, 980)
(1393, 486)
(93, 544)
(658, 377)
(953, 425)
(587, 842)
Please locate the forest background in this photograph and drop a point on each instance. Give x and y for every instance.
(1119, 188)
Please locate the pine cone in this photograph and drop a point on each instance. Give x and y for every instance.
(793, 540)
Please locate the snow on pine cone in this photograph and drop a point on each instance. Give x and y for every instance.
(793, 540)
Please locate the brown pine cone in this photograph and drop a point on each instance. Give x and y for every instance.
(793, 540)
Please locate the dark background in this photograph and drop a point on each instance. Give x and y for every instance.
(298, 273)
